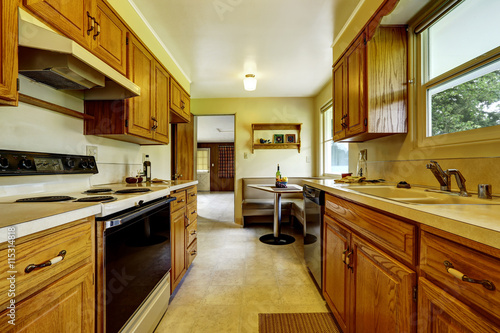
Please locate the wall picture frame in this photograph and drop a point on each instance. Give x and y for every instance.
(290, 138)
(278, 138)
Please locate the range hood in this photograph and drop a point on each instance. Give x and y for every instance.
(59, 62)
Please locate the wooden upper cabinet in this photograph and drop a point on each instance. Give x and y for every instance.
(140, 71)
(72, 18)
(161, 108)
(374, 89)
(8, 52)
(179, 104)
(339, 100)
(110, 38)
(91, 23)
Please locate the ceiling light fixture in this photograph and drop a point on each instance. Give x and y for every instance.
(250, 82)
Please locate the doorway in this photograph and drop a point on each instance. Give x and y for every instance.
(215, 153)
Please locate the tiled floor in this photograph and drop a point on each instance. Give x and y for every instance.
(235, 276)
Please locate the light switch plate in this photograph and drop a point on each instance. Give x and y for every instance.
(92, 151)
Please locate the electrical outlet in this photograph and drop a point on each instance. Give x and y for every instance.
(92, 151)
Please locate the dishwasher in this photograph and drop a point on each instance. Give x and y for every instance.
(314, 203)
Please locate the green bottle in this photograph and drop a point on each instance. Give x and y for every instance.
(278, 174)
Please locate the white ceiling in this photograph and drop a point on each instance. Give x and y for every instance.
(215, 128)
(285, 43)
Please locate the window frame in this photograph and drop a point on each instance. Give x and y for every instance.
(328, 105)
(491, 133)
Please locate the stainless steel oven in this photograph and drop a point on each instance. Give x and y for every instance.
(134, 262)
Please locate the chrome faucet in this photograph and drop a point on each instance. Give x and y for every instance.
(444, 178)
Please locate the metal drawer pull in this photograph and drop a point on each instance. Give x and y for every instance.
(193, 194)
(182, 200)
(461, 276)
(193, 253)
(193, 232)
(50, 262)
(193, 212)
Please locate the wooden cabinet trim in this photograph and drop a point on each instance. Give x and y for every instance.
(8, 53)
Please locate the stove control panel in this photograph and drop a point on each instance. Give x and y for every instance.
(19, 163)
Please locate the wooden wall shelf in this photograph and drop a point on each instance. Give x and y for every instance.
(276, 127)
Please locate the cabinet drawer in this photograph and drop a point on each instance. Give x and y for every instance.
(435, 250)
(395, 236)
(191, 232)
(192, 212)
(191, 194)
(180, 202)
(76, 241)
(191, 253)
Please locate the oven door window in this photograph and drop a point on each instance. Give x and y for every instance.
(137, 258)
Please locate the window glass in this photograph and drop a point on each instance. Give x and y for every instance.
(202, 160)
(467, 102)
(466, 32)
(336, 155)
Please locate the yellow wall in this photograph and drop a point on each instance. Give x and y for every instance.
(264, 110)
(128, 13)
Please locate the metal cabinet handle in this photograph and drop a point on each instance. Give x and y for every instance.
(182, 200)
(55, 260)
(98, 30)
(193, 194)
(193, 253)
(183, 105)
(155, 124)
(193, 212)
(90, 23)
(193, 232)
(461, 276)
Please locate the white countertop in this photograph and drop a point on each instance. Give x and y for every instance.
(480, 223)
(28, 218)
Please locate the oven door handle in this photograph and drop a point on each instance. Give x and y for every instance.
(137, 213)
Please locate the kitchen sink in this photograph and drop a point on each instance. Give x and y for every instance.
(421, 196)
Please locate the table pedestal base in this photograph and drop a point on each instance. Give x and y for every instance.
(280, 240)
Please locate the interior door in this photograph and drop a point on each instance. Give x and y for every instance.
(183, 151)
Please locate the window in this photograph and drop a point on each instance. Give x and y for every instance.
(460, 70)
(335, 155)
(203, 159)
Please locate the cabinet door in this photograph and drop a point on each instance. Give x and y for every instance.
(186, 106)
(439, 312)
(161, 97)
(69, 17)
(140, 71)
(8, 52)
(178, 246)
(355, 67)
(110, 43)
(381, 293)
(67, 305)
(339, 100)
(336, 274)
(175, 97)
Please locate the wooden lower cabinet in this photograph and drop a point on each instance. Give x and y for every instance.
(55, 298)
(183, 233)
(439, 312)
(178, 245)
(366, 289)
(370, 279)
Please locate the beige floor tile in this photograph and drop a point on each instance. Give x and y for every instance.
(223, 295)
(235, 276)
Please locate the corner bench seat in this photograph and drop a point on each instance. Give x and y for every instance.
(258, 205)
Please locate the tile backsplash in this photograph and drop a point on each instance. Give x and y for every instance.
(475, 170)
